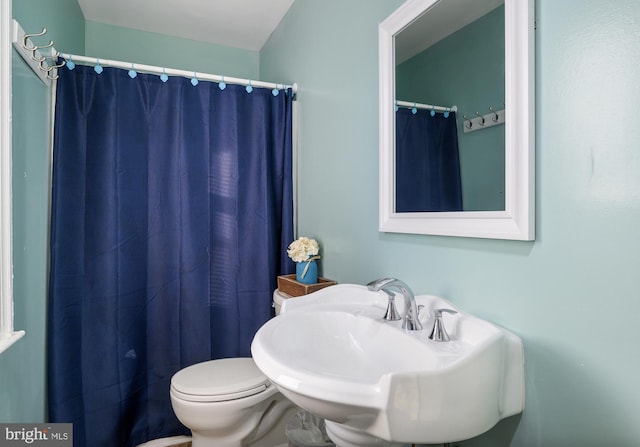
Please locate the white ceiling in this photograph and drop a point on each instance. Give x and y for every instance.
(245, 24)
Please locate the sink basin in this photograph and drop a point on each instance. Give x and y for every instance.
(331, 353)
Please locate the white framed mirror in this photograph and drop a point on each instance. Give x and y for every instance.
(507, 119)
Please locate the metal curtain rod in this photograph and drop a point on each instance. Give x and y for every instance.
(41, 59)
(417, 105)
(153, 69)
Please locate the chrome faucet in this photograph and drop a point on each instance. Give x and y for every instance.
(410, 319)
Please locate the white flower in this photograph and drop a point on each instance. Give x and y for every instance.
(302, 249)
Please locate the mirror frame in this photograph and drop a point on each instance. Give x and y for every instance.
(517, 221)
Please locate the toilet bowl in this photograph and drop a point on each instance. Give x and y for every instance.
(230, 403)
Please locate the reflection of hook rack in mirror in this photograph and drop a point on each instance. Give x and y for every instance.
(496, 117)
(485, 121)
(468, 124)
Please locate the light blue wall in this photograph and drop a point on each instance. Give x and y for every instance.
(572, 295)
(63, 20)
(466, 69)
(330, 49)
(22, 367)
(125, 44)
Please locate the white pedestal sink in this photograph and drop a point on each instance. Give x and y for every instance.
(375, 384)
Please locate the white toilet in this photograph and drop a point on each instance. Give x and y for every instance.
(230, 403)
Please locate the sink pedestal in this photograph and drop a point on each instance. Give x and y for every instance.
(345, 436)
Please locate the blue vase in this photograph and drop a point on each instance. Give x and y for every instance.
(310, 276)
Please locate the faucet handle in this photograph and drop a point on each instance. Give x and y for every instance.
(439, 333)
(392, 313)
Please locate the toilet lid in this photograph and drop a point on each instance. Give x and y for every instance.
(220, 380)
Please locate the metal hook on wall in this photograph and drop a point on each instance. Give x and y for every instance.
(467, 122)
(42, 59)
(27, 36)
(55, 67)
(37, 59)
(479, 121)
(496, 117)
(41, 47)
(37, 48)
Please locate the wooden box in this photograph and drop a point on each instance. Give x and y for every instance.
(288, 284)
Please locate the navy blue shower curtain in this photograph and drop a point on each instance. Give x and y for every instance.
(171, 215)
(427, 162)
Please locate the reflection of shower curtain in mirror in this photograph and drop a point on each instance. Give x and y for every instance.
(427, 162)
